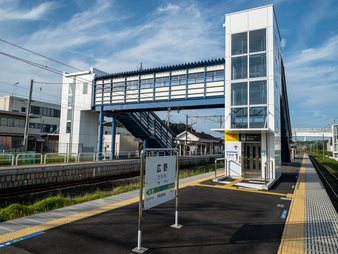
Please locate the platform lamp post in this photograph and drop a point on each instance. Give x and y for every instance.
(28, 110)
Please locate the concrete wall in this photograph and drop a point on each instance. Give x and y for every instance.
(23, 176)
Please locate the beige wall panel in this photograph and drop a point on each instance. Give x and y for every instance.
(196, 91)
(182, 87)
(161, 89)
(132, 78)
(215, 89)
(196, 70)
(162, 74)
(177, 96)
(212, 84)
(193, 86)
(179, 72)
(215, 67)
(118, 80)
(148, 76)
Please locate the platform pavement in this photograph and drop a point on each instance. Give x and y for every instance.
(312, 224)
(238, 233)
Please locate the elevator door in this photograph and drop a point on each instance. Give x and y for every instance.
(252, 160)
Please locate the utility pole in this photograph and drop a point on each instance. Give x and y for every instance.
(168, 116)
(323, 147)
(28, 110)
(186, 135)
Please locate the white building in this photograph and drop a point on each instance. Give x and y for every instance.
(79, 124)
(256, 111)
(249, 83)
(125, 143)
(335, 141)
(198, 143)
(43, 124)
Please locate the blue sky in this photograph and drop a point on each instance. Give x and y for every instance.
(117, 36)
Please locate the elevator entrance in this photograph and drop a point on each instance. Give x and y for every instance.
(251, 164)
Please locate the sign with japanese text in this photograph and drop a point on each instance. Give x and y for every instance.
(160, 180)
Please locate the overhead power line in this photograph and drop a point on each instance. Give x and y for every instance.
(12, 44)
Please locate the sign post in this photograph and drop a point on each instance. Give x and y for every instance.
(161, 174)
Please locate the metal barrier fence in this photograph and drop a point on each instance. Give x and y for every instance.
(26, 157)
(225, 166)
(9, 159)
(55, 156)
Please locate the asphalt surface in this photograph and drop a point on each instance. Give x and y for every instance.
(214, 220)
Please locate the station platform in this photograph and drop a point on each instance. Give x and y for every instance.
(294, 216)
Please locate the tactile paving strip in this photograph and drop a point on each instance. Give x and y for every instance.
(321, 219)
(292, 241)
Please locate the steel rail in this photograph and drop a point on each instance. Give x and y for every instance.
(315, 163)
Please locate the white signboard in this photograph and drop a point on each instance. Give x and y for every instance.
(160, 180)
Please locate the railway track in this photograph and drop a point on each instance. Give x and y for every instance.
(329, 180)
(13, 192)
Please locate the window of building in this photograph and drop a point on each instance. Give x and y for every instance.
(49, 128)
(16, 122)
(257, 65)
(164, 81)
(239, 94)
(258, 93)
(71, 89)
(239, 118)
(257, 40)
(68, 127)
(10, 122)
(132, 85)
(85, 88)
(239, 43)
(178, 80)
(70, 100)
(23, 109)
(36, 110)
(194, 78)
(257, 117)
(214, 76)
(16, 143)
(118, 86)
(69, 114)
(239, 68)
(147, 83)
(4, 121)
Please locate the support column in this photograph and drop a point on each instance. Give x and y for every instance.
(113, 137)
(100, 134)
(145, 143)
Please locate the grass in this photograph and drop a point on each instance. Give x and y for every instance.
(330, 164)
(15, 211)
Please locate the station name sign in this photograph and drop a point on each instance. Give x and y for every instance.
(160, 180)
(250, 137)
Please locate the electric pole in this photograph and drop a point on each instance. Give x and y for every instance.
(323, 147)
(186, 135)
(28, 110)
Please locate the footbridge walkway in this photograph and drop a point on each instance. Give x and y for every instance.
(131, 97)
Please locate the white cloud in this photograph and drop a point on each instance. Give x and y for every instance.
(167, 39)
(312, 81)
(10, 11)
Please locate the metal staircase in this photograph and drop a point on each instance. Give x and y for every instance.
(147, 125)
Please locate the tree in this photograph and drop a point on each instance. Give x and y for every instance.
(178, 128)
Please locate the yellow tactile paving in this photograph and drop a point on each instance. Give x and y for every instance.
(233, 182)
(292, 241)
(247, 190)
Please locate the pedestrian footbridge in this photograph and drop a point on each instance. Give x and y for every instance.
(131, 97)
